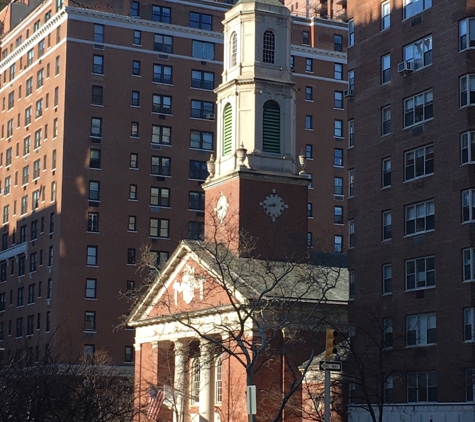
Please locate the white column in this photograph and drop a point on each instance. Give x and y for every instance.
(180, 385)
(206, 382)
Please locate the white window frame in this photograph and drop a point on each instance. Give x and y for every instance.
(469, 324)
(468, 262)
(385, 69)
(386, 225)
(468, 205)
(466, 34)
(421, 383)
(421, 161)
(423, 278)
(419, 218)
(424, 326)
(387, 276)
(467, 147)
(386, 170)
(386, 121)
(218, 380)
(419, 53)
(419, 108)
(385, 15)
(467, 90)
(351, 133)
(414, 7)
(351, 33)
(351, 233)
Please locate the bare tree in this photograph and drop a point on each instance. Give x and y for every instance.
(36, 386)
(263, 315)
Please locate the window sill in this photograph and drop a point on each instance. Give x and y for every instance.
(418, 233)
(420, 288)
(418, 178)
(91, 232)
(420, 123)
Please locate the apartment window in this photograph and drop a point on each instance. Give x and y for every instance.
(99, 33)
(418, 108)
(419, 162)
(203, 50)
(419, 53)
(134, 161)
(39, 108)
(203, 80)
(337, 42)
(385, 15)
(218, 382)
(56, 71)
(196, 201)
(467, 147)
(198, 170)
(201, 21)
(351, 80)
(202, 109)
(137, 37)
(56, 97)
(159, 227)
(421, 330)
(129, 354)
(163, 43)
(91, 255)
(35, 200)
(308, 122)
(305, 38)
(33, 262)
(385, 121)
(195, 380)
(338, 71)
(338, 99)
(131, 256)
(48, 321)
(161, 104)
(53, 191)
(6, 190)
(385, 69)
(309, 94)
(30, 55)
(95, 158)
(387, 279)
(37, 143)
(195, 230)
(160, 197)
(91, 288)
(3, 299)
(31, 293)
(351, 33)
(420, 273)
(310, 210)
(93, 222)
(338, 128)
(134, 130)
(419, 218)
(10, 128)
(20, 293)
(11, 100)
(132, 226)
(413, 7)
(468, 205)
(470, 384)
(387, 333)
(468, 264)
(386, 220)
(24, 205)
(268, 47)
(308, 65)
(27, 116)
(338, 186)
(97, 95)
(351, 133)
(6, 214)
(19, 327)
(90, 321)
(338, 243)
(136, 67)
(309, 151)
(94, 191)
(162, 74)
(98, 64)
(55, 128)
(133, 193)
(29, 86)
(201, 140)
(351, 285)
(386, 172)
(161, 166)
(234, 49)
(338, 157)
(96, 127)
(338, 215)
(161, 14)
(351, 233)
(135, 9)
(12, 69)
(161, 135)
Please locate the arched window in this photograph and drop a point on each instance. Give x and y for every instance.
(268, 49)
(271, 127)
(228, 129)
(195, 380)
(218, 398)
(233, 49)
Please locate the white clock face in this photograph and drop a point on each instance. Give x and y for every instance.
(273, 205)
(222, 207)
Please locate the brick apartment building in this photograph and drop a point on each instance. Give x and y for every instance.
(411, 207)
(107, 121)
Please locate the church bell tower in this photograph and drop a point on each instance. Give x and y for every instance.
(257, 187)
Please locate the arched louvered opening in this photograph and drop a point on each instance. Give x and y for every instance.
(233, 50)
(268, 48)
(228, 129)
(271, 127)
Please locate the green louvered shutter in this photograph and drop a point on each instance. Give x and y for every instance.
(271, 127)
(228, 130)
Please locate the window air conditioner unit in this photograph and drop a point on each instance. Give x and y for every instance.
(349, 93)
(405, 67)
(210, 116)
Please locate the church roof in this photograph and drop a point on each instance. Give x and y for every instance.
(249, 279)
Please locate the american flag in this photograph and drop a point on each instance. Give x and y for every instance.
(155, 402)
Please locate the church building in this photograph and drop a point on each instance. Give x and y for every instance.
(230, 326)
